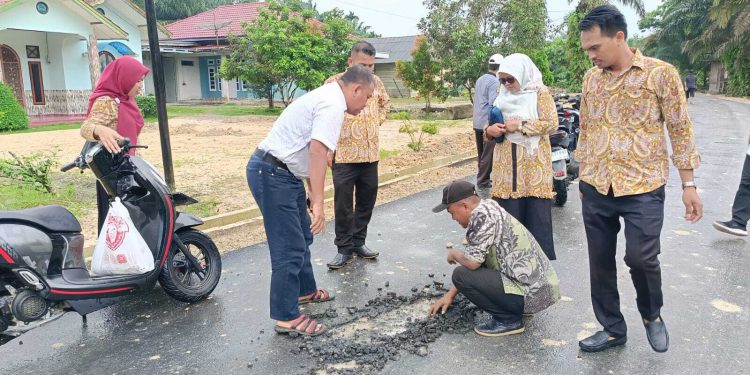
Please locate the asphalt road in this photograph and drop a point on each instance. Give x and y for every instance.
(705, 281)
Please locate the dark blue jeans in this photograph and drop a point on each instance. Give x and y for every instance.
(283, 203)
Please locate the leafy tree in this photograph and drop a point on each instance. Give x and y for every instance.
(359, 28)
(467, 33)
(691, 33)
(423, 73)
(284, 49)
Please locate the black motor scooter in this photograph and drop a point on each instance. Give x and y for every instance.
(42, 267)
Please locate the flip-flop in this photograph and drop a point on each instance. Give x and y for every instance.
(320, 295)
(301, 327)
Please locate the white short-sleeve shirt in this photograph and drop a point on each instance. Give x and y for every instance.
(317, 115)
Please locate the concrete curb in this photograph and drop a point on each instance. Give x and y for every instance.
(229, 220)
(251, 216)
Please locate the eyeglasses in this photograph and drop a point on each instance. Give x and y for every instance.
(510, 81)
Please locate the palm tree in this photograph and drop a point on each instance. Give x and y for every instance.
(729, 28)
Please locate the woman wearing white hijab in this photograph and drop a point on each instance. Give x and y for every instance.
(522, 167)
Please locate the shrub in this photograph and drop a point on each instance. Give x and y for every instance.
(147, 104)
(416, 133)
(33, 169)
(12, 114)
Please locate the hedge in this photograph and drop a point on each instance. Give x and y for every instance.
(147, 104)
(12, 114)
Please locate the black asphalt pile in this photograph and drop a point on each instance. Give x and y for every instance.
(370, 348)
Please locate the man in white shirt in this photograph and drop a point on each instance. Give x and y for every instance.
(297, 149)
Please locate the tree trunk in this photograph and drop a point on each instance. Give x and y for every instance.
(270, 98)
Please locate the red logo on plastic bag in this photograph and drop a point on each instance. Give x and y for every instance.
(117, 227)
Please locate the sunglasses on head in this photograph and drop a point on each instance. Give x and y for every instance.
(509, 80)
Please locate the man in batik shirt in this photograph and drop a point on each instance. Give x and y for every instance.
(355, 167)
(503, 270)
(628, 99)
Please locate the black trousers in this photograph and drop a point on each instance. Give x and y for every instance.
(484, 288)
(485, 152)
(644, 216)
(353, 182)
(536, 215)
(741, 205)
(102, 206)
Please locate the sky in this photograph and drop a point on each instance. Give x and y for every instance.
(400, 17)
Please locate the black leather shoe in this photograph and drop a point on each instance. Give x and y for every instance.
(495, 328)
(365, 252)
(339, 261)
(600, 341)
(657, 334)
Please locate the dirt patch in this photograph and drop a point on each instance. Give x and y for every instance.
(210, 154)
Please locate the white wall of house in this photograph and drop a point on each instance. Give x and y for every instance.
(188, 79)
(59, 19)
(134, 34)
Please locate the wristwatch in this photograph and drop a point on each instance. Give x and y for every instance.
(523, 124)
(688, 184)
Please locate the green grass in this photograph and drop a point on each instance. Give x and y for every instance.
(18, 196)
(46, 128)
(384, 154)
(206, 206)
(405, 101)
(228, 109)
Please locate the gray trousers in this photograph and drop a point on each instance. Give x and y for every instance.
(485, 152)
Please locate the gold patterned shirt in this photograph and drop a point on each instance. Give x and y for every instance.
(359, 139)
(103, 113)
(622, 139)
(529, 174)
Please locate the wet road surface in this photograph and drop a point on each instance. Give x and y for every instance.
(705, 280)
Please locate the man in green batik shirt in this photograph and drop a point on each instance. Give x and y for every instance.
(503, 270)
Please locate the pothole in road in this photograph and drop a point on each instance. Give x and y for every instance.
(383, 330)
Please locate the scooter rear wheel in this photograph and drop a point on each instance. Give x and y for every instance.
(178, 278)
(561, 192)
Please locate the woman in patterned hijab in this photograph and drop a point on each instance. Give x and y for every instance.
(522, 168)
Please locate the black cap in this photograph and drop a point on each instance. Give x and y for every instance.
(454, 192)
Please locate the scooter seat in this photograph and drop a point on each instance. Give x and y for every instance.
(50, 218)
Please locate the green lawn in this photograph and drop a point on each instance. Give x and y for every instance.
(406, 101)
(47, 128)
(225, 109)
(18, 196)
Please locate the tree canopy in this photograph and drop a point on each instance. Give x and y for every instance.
(284, 50)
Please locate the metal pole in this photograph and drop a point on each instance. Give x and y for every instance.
(157, 72)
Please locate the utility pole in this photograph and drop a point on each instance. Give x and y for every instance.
(157, 72)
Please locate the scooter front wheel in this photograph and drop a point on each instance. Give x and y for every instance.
(179, 276)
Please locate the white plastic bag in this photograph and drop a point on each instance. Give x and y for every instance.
(120, 249)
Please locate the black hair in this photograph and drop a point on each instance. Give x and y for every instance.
(357, 74)
(494, 67)
(363, 47)
(609, 20)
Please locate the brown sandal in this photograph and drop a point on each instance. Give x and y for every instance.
(304, 326)
(320, 295)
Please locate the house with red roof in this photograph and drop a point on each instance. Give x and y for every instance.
(193, 55)
(52, 51)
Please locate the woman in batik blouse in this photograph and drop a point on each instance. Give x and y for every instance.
(113, 113)
(522, 167)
